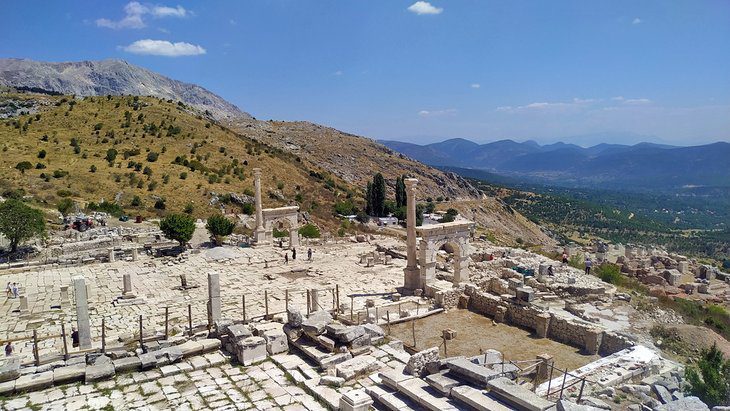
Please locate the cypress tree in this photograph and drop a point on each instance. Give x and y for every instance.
(400, 192)
(378, 194)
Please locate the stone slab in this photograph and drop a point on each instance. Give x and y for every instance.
(99, 372)
(33, 382)
(509, 392)
(477, 399)
(467, 370)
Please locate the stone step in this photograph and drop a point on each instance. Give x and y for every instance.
(442, 382)
(509, 392)
(391, 378)
(477, 399)
(420, 392)
(473, 373)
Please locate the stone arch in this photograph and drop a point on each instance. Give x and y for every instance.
(282, 215)
(455, 236)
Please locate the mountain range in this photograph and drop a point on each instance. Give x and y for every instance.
(617, 166)
(110, 77)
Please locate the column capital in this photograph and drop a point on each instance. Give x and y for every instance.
(257, 171)
(410, 182)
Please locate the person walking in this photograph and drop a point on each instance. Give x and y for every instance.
(74, 338)
(293, 253)
(15, 290)
(9, 349)
(565, 257)
(309, 254)
(286, 258)
(550, 271)
(9, 290)
(589, 264)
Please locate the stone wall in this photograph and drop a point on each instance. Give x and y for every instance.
(613, 343)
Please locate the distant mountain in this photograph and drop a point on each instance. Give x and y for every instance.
(115, 77)
(618, 166)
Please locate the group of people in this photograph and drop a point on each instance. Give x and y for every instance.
(11, 290)
(294, 255)
(588, 262)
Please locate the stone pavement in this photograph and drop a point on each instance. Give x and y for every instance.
(220, 386)
(249, 271)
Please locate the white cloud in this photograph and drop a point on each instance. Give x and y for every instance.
(636, 101)
(163, 48)
(424, 7)
(637, 21)
(437, 113)
(475, 85)
(338, 73)
(134, 13)
(575, 104)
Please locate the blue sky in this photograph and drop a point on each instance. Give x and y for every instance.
(577, 71)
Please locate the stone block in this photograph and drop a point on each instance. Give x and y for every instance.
(292, 333)
(190, 348)
(316, 323)
(516, 395)
(362, 341)
(346, 335)
(276, 341)
(592, 340)
(419, 360)
(99, 372)
(251, 350)
(7, 387)
(332, 360)
(9, 368)
(294, 317)
(69, 373)
(357, 366)
(326, 342)
(526, 294)
(442, 383)
(684, 404)
(673, 277)
(332, 381)
(34, 382)
(127, 364)
(471, 372)
(147, 361)
(355, 400)
(373, 330)
(238, 332)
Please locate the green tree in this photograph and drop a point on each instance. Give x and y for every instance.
(309, 231)
(42, 154)
(189, 208)
(178, 227)
(24, 165)
(19, 223)
(400, 192)
(65, 206)
(369, 199)
(710, 380)
(111, 155)
(378, 194)
(219, 227)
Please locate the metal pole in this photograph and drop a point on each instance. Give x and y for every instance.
(286, 300)
(418, 305)
(562, 387)
(141, 338)
(334, 301)
(550, 379)
(580, 394)
(377, 316)
(266, 304)
(387, 316)
(103, 335)
(190, 319)
(243, 304)
(413, 329)
(35, 348)
(167, 322)
(337, 290)
(309, 304)
(352, 305)
(445, 352)
(65, 345)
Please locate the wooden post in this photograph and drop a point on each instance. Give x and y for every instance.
(377, 316)
(446, 354)
(65, 344)
(337, 291)
(167, 323)
(413, 329)
(141, 338)
(550, 380)
(562, 387)
(334, 301)
(352, 306)
(286, 300)
(244, 308)
(190, 319)
(418, 305)
(387, 317)
(103, 335)
(35, 348)
(309, 303)
(266, 304)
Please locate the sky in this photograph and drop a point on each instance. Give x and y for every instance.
(578, 71)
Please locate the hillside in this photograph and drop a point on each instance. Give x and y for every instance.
(67, 140)
(110, 77)
(639, 167)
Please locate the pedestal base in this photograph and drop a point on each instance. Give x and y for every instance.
(411, 278)
(259, 237)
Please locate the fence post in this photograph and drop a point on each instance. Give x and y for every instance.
(580, 394)
(190, 319)
(141, 338)
(266, 304)
(562, 387)
(352, 306)
(334, 301)
(65, 345)
(309, 303)
(550, 380)
(167, 323)
(337, 290)
(387, 315)
(286, 300)
(243, 299)
(35, 348)
(103, 335)
(413, 329)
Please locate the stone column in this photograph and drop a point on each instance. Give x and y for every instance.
(83, 323)
(23, 304)
(412, 274)
(543, 367)
(111, 255)
(592, 340)
(64, 296)
(427, 272)
(461, 268)
(135, 254)
(293, 237)
(214, 298)
(127, 282)
(542, 324)
(314, 299)
(259, 234)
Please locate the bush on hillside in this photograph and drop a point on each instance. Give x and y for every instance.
(178, 227)
(710, 379)
(219, 227)
(309, 231)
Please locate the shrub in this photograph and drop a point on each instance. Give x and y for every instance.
(219, 227)
(183, 175)
(92, 168)
(710, 380)
(42, 154)
(40, 166)
(23, 165)
(152, 156)
(136, 201)
(189, 208)
(309, 231)
(248, 208)
(160, 204)
(345, 208)
(609, 273)
(111, 155)
(112, 208)
(178, 227)
(65, 206)
(280, 233)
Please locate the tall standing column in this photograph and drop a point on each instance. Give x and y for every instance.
(259, 232)
(82, 312)
(214, 298)
(412, 274)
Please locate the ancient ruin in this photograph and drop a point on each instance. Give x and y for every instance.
(269, 218)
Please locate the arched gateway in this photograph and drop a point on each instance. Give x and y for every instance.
(421, 266)
(267, 218)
